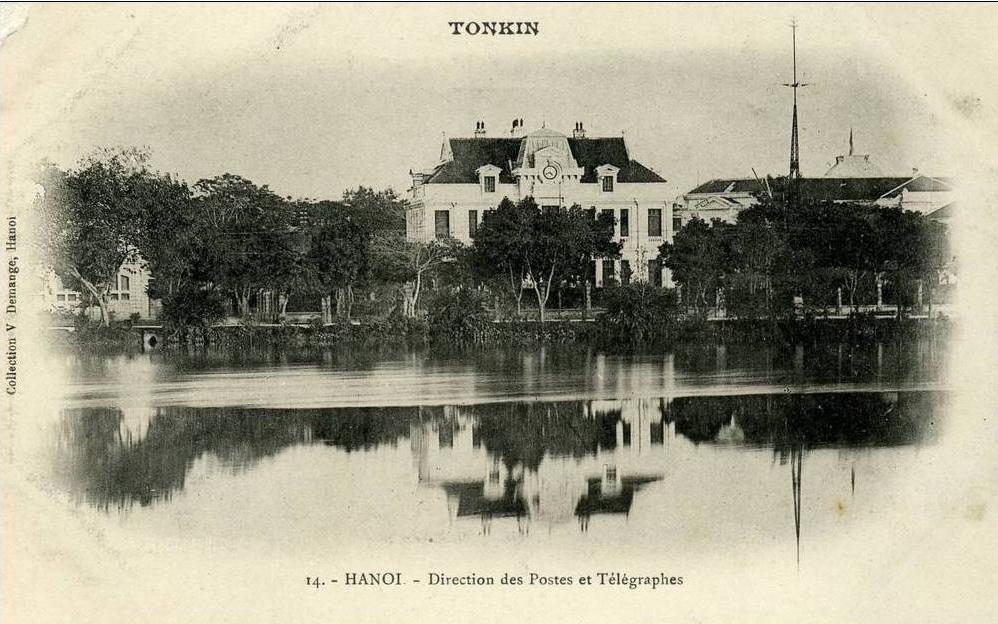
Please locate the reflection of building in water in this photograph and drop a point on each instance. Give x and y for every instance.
(591, 461)
(134, 423)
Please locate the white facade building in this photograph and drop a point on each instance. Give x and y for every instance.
(852, 178)
(127, 296)
(724, 198)
(475, 174)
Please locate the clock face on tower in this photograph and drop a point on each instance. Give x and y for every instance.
(550, 172)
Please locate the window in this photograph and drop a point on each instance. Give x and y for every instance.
(490, 184)
(472, 223)
(677, 223)
(125, 296)
(608, 271)
(592, 213)
(72, 297)
(124, 285)
(607, 214)
(442, 224)
(655, 222)
(114, 296)
(60, 297)
(625, 222)
(657, 433)
(654, 272)
(625, 272)
(607, 184)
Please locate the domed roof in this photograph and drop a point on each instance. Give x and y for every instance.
(854, 166)
(540, 139)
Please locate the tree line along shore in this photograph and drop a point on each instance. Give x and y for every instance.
(227, 256)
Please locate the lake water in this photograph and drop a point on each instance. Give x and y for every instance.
(705, 448)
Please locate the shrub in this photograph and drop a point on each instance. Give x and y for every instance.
(459, 315)
(638, 312)
(192, 307)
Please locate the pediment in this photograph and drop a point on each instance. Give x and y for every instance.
(716, 203)
(607, 169)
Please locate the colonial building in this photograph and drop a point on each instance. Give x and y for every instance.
(630, 449)
(853, 178)
(475, 173)
(128, 294)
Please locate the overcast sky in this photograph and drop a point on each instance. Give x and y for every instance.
(312, 100)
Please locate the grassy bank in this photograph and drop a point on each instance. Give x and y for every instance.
(602, 333)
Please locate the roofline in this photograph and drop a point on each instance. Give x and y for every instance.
(912, 179)
(520, 138)
(721, 193)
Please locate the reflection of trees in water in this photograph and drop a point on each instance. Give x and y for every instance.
(523, 433)
(108, 467)
(339, 357)
(813, 420)
(793, 424)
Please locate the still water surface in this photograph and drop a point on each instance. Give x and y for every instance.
(705, 447)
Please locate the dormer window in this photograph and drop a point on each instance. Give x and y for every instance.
(607, 176)
(487, 176)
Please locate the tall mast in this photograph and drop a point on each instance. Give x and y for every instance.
(794, 178)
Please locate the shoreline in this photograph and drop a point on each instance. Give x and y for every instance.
(601, 333)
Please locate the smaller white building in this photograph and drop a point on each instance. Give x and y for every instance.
(852, 178)
(128, 295)
(724, 198)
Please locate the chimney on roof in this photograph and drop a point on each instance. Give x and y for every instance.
(479, 128)
(517, 129)
(914, 171)
(579, 132)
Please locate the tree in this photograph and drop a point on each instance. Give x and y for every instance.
(562, 245)
(250, 223)
(840, 239)
(409, 263)
(337, 257)
(501, 244)
(935, 254)
(179, 245)
(697, 258)
(376, 211)
(89, 217)
(289, 269)
(755, 248)
(544, 248)
(911, 250)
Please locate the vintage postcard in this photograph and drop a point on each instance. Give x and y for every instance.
(532, 312)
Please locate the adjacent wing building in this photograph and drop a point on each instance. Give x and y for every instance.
(853, 178)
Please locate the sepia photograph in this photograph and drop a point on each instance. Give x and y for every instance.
(411, 312)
